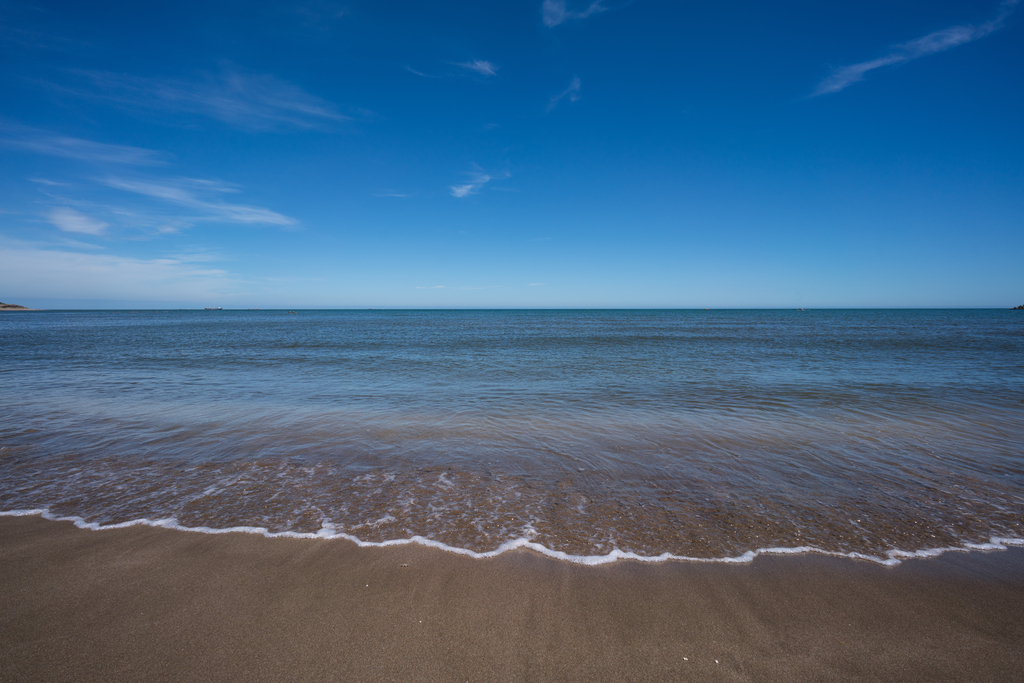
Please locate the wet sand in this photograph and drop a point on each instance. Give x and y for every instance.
(156, 604)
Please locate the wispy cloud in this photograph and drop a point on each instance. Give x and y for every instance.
(93, 216)
(129, 221)
(318, 14)
(249, 101)
(53, 272)
(555, 12)
(420, 73)
(536, 284)
(24, 26)
(478, 66)
(187, 192)
(472, 187)
(148, 220)
(477, 180)
(482, 67)
(391, 193)
(70, 220)
(43, 142)
(572, 92)
(932, 43)
(463, 289)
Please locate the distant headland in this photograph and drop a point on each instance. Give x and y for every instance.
(13, 307)
(1018, 308)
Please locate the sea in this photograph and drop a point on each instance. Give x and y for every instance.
(587, 435)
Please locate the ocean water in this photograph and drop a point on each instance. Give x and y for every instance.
(590, 435)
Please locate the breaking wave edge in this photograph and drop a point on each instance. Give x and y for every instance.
(328, 532)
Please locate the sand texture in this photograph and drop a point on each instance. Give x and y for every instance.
(148, 604)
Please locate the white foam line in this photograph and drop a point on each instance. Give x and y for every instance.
(891, 557)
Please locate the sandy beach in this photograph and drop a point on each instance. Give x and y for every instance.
(155, 604)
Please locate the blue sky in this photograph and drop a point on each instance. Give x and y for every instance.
(512, 154)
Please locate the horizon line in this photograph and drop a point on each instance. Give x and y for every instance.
(527, 308)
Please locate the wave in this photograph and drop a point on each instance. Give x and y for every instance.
(890, 558)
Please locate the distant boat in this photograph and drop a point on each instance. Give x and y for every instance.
(214, 308)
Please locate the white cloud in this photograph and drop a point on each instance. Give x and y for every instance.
(183, 193)
(477, 180)
(201, 196)
(317, 14)
(555, 12)
(572, 92)
(536, 284)
(43, 142)
(471, 187)
(149, 221)
(419, 73)
(938, 41)
(70, 220)
(52, 272)
(482, 67)
(250, 101)
(463, 289)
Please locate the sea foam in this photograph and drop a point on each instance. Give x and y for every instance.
(890, 558)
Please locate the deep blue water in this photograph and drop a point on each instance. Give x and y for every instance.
(699, 433)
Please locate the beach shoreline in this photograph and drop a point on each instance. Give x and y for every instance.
(889, 557)
(146, 603)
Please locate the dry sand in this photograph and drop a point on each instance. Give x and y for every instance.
(156, 604)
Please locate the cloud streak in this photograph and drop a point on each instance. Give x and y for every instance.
(419, 73)
(186, 192)
(480, 66)
(938, 41)
(472, 187)
(52, 272)
(199, 195)
(463, 289)
(43, 142)
(70, 220)
(555, 12)
(477, 180)
(572, 92)
(250, 101)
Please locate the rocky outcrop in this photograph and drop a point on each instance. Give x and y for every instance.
(12, 307)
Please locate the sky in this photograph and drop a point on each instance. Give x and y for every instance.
(512, 154)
